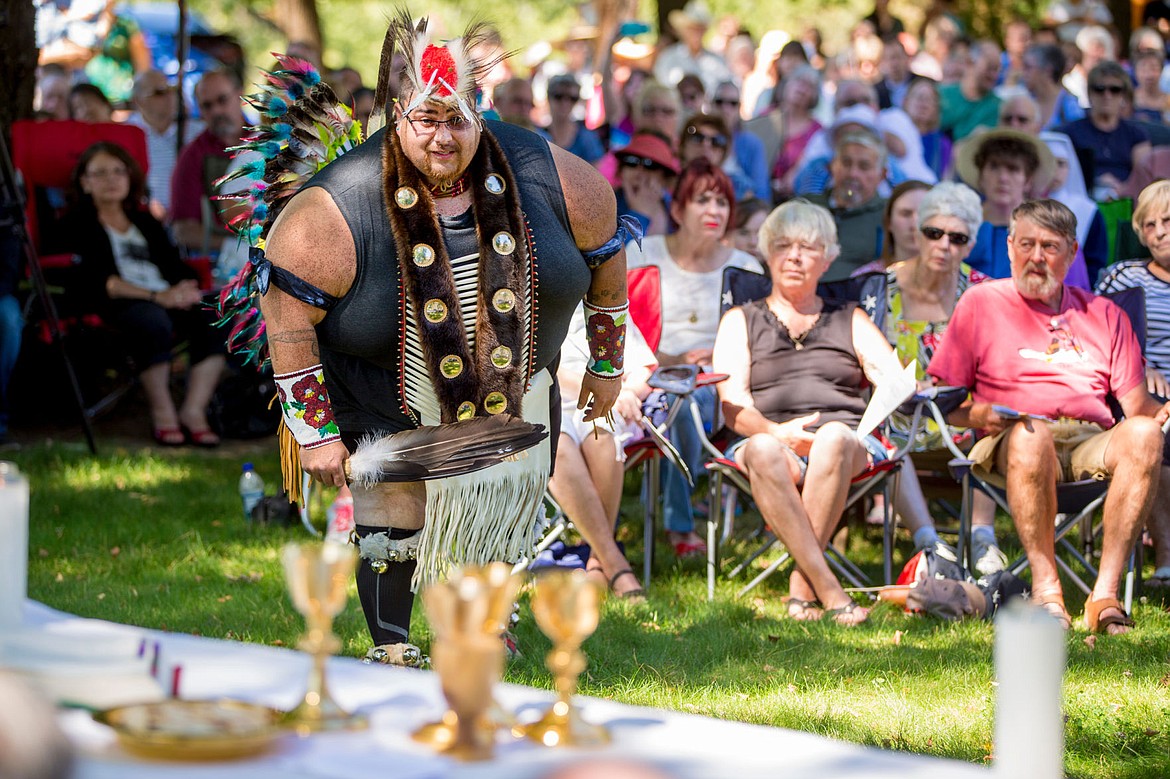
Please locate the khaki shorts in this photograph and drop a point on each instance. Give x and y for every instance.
(1080, 450)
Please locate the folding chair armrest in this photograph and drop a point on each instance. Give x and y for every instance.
(675, 379)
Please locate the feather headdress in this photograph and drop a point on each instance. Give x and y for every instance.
(302, 129)
(447, 72)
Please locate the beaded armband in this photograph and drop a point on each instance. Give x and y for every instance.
(628, 229)
(305, 403)
(605, 331)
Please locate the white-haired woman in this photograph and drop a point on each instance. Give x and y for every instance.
(797, 367)
(921, 294)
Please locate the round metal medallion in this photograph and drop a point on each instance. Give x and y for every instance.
(405, 197)
(503, 301)
(423, 255)
(435, 310)
(495, 402)
(503, 243)
(501, 357)
(494, 184)
(451, 366)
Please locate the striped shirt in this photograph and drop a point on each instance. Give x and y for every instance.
(162, 154)
(1136, 273)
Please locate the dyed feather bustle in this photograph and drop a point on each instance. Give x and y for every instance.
(303, 128)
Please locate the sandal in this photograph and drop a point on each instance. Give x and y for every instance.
(1055, 599)
(803, 610)
(202, 438)
(1101, 624)
(633, 596)
(848, 612)
(168, 436)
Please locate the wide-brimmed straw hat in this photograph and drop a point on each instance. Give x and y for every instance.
(969, 150)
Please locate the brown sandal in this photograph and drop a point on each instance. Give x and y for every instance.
(1099, 624)
(1054, 599)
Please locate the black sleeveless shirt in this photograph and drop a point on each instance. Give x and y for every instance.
(361, 338)
(823, 375)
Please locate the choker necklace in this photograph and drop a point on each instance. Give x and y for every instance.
(456, 187)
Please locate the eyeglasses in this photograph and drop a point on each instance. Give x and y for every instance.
(726, 101)
(1112, 89)
(935, 234)
(429, 126)
(634, 161)
(659, 110)
(719, 141)
(564, 96)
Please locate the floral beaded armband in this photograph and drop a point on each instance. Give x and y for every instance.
(605, 331)
(305, 403)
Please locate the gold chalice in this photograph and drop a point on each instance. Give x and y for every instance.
(567, 606)
(468, 613)
(318, 577)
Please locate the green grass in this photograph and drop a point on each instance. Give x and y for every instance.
(158, 540)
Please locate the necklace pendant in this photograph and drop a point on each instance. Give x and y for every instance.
(798, 346)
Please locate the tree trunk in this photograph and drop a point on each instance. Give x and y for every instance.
(299, 21)
(18, 62)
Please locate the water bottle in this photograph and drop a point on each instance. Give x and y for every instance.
(251, 490)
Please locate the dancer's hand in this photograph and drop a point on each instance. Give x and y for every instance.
(326, 464)
(598, 396)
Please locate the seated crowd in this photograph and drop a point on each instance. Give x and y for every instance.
(1048, 133)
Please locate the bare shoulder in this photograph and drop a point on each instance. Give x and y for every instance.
(589, 199)
(312, 240)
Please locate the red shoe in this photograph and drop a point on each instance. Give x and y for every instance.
(203, 438)
(168, 436)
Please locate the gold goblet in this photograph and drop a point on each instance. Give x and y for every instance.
(567, 606)
(318, 577)
(468, 613)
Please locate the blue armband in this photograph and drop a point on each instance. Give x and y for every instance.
(628, 229)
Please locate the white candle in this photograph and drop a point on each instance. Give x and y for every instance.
(1029, 665)
(13, 546)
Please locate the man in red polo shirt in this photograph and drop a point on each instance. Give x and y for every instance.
(204, 160)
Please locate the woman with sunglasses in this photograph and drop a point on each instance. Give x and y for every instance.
(705, 136)
(1114, 144)
(646, 166)
(921, 295)
(571, 135)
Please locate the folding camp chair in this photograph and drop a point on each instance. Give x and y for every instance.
(45, 154)
(1076, 502)
(742, 287)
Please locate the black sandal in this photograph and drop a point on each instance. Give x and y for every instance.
(636, 596)
(848, 610)
(809, 610)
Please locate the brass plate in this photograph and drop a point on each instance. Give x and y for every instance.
(194, 730)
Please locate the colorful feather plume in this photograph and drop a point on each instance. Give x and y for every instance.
(302, 129)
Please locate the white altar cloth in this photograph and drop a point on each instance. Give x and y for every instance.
(398, 700)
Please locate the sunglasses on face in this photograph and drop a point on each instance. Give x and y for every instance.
(1112, 89)
(935, 234)
(726, 101)
(564, 96)
(634, 161)
(718, 141)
